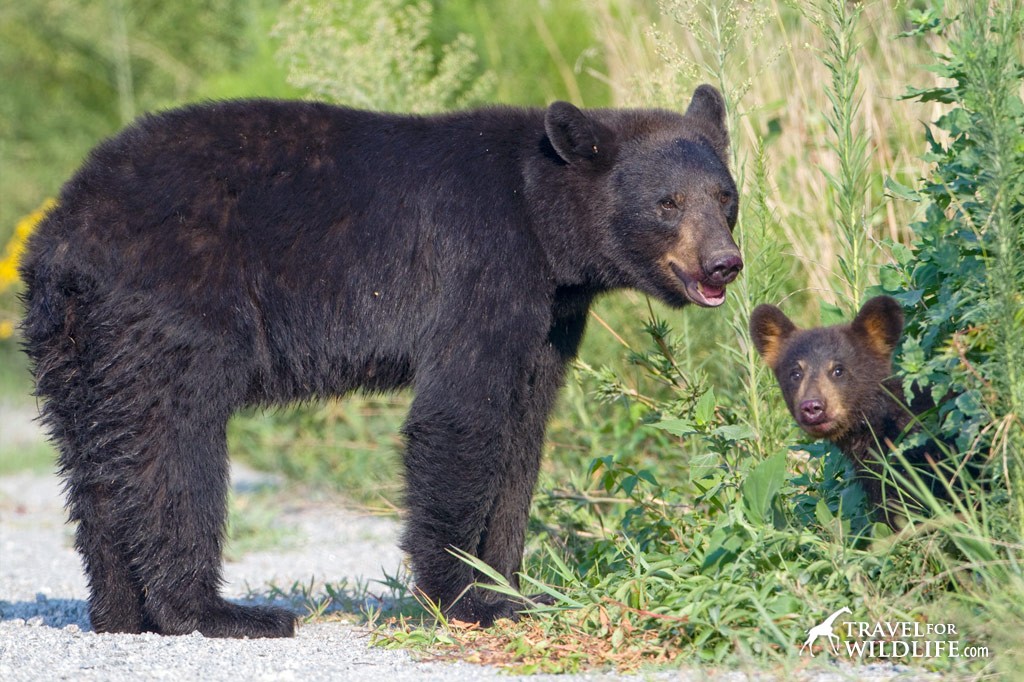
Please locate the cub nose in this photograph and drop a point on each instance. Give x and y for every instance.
(812, 411)
(724, 269)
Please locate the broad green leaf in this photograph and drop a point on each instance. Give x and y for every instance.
(703, 466)
(677, 427)
(762, 485)
(704, 410)
(822, 513)
(734, 432)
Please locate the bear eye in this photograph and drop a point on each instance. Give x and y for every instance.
(668, 203)
(725, 197)
(796, 375)
(838, 371)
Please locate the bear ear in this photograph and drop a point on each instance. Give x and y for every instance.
(577, 137)
(769, 330)
(707, 113)
(880, 323)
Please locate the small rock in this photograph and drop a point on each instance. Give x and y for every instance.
(35, 621)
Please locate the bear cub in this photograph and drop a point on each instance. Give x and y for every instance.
(837, 384)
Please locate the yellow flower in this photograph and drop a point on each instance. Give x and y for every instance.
(15, 247)
(6, 329)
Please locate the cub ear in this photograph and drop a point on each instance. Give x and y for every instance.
(880, 323)
(577, 137)
(707, 114)
(769, 330)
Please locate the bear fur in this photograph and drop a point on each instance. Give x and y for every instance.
(837, 383)
(252, 253)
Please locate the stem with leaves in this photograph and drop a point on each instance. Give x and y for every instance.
(837, 20)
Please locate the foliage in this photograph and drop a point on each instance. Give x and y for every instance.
(389, 41)
(837, 20)
(963, 288)
(963, 284)
(354, 444)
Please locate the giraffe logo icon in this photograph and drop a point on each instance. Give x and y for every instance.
(824, 629)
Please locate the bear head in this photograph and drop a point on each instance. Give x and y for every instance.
(659, 191)
(829, 376)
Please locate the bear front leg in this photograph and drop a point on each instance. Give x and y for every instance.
(457, 469)
(505, 533)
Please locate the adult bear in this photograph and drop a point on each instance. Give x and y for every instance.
(260, 252)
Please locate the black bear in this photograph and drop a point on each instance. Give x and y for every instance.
(837, 382)
(256, 252)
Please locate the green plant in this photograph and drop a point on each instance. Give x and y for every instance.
(963, 288)
(389, 41)
(837, 20)
(963, 284)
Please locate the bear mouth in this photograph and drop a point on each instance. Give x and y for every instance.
(818, 429)
(698, 290)
(825, 427)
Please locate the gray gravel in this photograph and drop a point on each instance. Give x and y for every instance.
(45, 634)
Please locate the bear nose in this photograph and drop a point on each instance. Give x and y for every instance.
(812, 411)
(724, 269)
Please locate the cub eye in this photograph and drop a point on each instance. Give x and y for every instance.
(725, 197)
(838, 371)
(668, 203)
(796, 375)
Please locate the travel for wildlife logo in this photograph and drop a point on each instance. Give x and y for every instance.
(882, 639)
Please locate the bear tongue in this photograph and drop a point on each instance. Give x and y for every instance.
(697, 291)
(712, 295)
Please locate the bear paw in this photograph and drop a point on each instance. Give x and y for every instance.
(232, 620)
(473, 608)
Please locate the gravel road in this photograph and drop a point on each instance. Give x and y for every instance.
(45, 634)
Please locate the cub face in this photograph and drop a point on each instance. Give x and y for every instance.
(829, 375)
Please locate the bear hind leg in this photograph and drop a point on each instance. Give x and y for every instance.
(178, 540)
(116, 596)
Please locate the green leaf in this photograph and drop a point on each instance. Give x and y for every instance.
(724, 545)
(901, 191)
(677, 427)
(704, 411)
(822, 513)
(647, 475)
(831, 314)
(734, 432)
(704, 466)
(762, 485)
(880, 531)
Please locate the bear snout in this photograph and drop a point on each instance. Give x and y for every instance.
(723, 268)
(812, 412)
